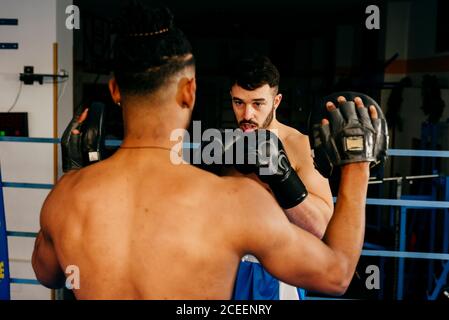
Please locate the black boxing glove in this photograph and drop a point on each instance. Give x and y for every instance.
(86, 147)
(261, 152)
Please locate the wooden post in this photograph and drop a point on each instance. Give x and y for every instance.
(55, 123)
(55, 112)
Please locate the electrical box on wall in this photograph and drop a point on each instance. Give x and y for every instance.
(14, 124)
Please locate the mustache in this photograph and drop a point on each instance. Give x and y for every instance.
(248, 122)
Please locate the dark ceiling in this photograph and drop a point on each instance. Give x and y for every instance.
(248, 17)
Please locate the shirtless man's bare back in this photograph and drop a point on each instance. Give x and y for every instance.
(140, 227)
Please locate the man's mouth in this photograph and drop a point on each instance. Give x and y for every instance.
(247, 127)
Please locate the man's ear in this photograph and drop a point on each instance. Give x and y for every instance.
(187, 92)
(277, 100)
(114, 90)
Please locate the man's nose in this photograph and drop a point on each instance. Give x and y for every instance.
(248, 112)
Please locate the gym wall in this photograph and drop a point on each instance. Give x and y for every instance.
(40, 24)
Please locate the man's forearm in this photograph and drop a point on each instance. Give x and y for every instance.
(312, 215)
(346, 229)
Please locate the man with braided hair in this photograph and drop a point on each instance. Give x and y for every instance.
(138, 226)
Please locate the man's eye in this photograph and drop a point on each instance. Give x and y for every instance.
(258, 104)
(238, 103)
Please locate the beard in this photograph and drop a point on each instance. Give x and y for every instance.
(265, 123)
(268, 119)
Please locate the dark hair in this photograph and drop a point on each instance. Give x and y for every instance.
(148, 50)
(254, 72)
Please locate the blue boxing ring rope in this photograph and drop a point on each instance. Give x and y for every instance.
(373, 251)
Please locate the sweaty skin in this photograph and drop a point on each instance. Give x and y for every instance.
(314, 213)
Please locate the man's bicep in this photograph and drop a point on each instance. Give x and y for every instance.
(45, 262)
(288, 252)
(315, 183)
(301, 259)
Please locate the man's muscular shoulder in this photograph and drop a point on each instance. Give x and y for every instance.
(253, 211)
(69, 195)
(295, 137)
(76, 184)
(245, 198)
(297, 147)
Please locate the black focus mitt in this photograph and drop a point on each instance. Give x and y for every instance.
(83, 140)
(351, 135)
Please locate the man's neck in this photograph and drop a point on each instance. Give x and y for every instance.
(274, 125)
(150, 128)
(278, 128)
